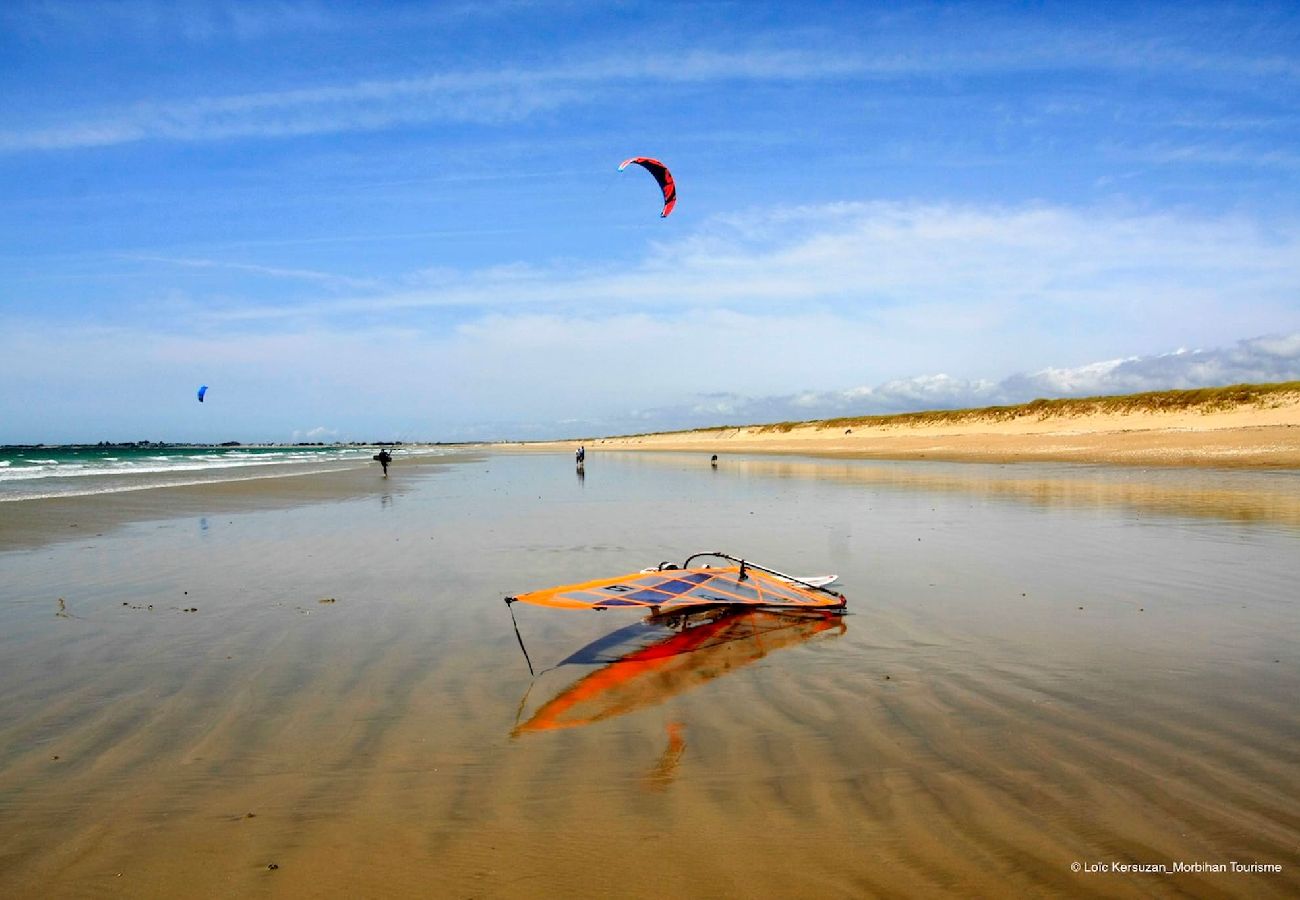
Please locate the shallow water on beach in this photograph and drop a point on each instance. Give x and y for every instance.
(1042, 665)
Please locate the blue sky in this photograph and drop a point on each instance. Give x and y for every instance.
(406, 221)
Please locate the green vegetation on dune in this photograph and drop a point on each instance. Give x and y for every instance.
(1205, 400)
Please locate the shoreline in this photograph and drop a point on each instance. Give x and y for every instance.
(1248, 435)
(34, 522)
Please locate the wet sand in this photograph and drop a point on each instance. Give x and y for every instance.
(1043, 665)
(1266, 434)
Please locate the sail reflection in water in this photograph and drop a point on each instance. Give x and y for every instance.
(651, 661)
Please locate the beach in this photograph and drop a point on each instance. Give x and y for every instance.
(309, 685)
(405, 493)
(1262, 433)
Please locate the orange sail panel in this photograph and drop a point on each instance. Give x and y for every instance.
(678, 588)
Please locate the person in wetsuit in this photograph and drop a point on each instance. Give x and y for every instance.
(384, 458)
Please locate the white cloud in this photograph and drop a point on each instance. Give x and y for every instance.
(186, 20)
(1262, 359)
(507, 92)
(754, 317)
(1258, 360)
(906, 269)
(325, 279)
(499, 94)
(1233, 155)
(319, 433)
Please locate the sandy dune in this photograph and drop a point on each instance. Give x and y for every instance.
(1257, 434)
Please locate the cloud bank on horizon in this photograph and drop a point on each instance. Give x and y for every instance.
(385, 220)
(1258, 360)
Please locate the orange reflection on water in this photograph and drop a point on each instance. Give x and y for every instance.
(663, 771)
(685, 659)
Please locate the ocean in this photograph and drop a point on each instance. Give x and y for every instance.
(30, 472)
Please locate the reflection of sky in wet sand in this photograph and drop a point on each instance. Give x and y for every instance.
(1236, 495)
(1019, 685)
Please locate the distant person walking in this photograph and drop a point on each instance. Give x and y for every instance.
(383, 457)
(581, 455)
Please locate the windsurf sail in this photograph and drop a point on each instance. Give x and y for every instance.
(680, 589)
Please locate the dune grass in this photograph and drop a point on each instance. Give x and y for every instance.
(1205, 400)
